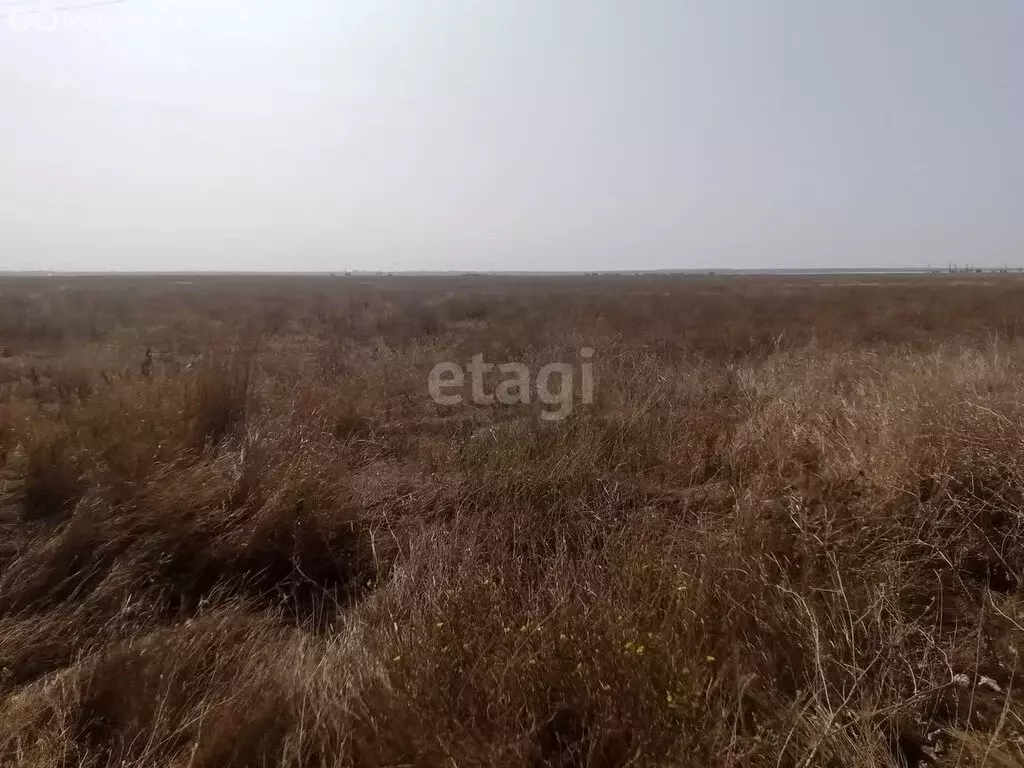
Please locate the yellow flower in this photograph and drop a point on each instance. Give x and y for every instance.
(710, 659)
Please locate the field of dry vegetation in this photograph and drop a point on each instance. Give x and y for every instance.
(788, 533)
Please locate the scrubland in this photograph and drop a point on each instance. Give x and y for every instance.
(788, 532)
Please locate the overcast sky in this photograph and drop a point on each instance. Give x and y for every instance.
(511, 134)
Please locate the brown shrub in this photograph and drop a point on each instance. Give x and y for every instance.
(788, 533)
(221, 397)
(52, 481)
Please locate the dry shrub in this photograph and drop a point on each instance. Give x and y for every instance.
(73, 381)
(278, 527)
(165, 712)
(52, 483)
(7, 433)
(787, 534)
(221, 396)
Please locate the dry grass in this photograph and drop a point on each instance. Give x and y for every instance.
(788, 533)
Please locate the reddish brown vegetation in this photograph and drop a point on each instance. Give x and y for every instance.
(789, 532)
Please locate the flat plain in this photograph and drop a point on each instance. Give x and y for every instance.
(235, 529)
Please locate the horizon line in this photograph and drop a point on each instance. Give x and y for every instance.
(696, 271)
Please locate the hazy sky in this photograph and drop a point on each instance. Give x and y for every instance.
(511, 134)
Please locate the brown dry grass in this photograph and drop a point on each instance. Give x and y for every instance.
(788, 533)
